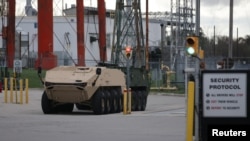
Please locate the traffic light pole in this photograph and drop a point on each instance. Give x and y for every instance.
(192, 49)
(128, 74)
(197, 72)
(129, 92)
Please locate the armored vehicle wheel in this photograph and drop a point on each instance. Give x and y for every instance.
(134, 101)
(115, 101)
(138, 101)
(108, 99)
(98, 103)
(118, 103)
(47, 105)
(119, 97)
(143, 100)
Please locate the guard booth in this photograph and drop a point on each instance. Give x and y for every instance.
(224, 105)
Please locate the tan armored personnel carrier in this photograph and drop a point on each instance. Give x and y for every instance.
(96, 88)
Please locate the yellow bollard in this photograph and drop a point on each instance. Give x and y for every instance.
(129, 101)
(190, 112)
(26, 90)
(5, 90)
(21, 90)
(11, 89)
(125, 102)
(13, 84)
(15, 89)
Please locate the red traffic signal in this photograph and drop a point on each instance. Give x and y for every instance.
(128, 51)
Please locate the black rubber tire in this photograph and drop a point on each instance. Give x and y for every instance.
(138, 101)
(47, 105)
(108, 99)
(98, 103)
(134, 100)
(118, 101)
(120, 96)
(143, 100)
(115, 101)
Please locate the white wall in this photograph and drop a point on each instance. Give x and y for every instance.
(68, 24)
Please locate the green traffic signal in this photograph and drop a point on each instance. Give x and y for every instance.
(192, 47)
(190, 50)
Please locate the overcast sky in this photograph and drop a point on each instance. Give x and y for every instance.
(213, 13)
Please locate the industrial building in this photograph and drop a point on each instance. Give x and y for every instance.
(65, 36)
(167, 31)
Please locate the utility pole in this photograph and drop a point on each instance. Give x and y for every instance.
(230, 54)
(147, 36)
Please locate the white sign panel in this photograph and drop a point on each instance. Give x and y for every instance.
(224, 95)
(17, 66)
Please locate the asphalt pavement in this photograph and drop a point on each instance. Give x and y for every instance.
(163, 120)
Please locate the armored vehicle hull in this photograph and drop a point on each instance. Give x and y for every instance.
(96, 88)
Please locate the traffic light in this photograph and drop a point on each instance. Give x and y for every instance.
(128, 51)
(192, 45)
(201, 54)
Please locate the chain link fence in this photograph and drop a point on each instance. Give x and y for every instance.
(160, 78)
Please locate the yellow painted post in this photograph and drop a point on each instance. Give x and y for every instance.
(129, 101)
(26, 90)
(5, 91)
(190, 111)
(21, 90)
(15, 88)
(11, 89)
(125, 102)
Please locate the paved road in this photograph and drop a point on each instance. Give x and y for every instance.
(163, 120)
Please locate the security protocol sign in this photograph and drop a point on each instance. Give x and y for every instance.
(225, 94)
